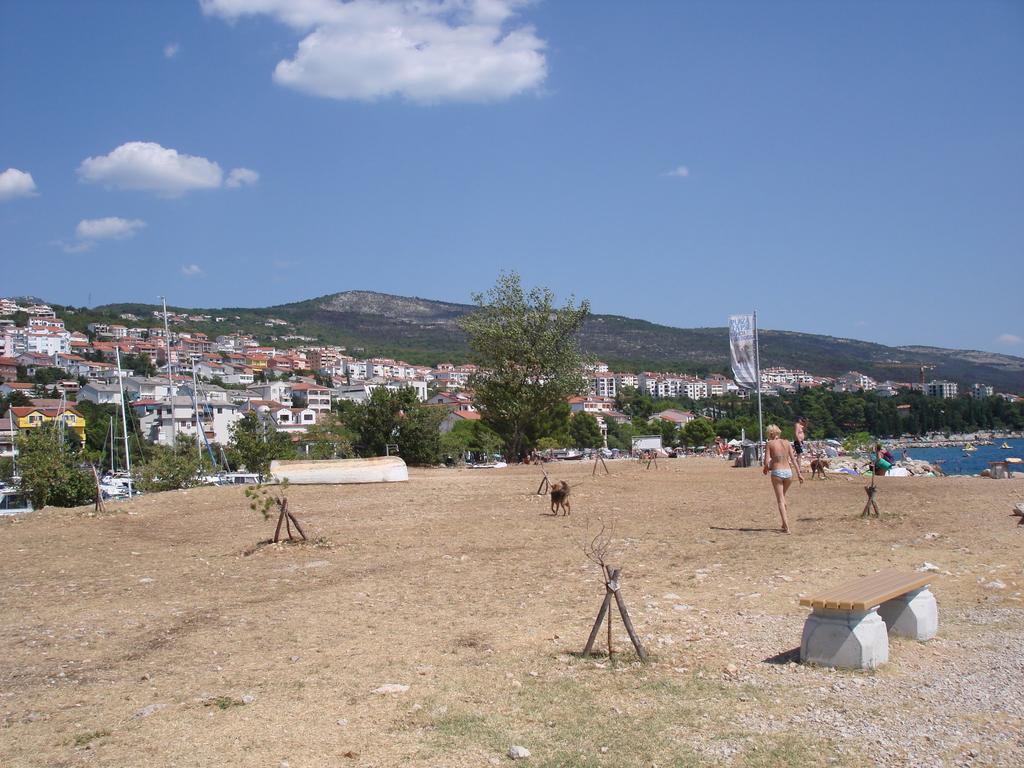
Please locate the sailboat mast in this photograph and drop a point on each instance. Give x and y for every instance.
(170, 376)
(124, 420)
(195, 408)
(113, 446)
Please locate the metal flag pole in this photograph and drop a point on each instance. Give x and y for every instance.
(760, 416)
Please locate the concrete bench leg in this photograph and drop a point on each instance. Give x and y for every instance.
(913, 615)
(849, 639)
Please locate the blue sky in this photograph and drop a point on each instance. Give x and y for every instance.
(849, 168)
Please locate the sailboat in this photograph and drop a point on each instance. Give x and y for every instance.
(1005, 446)
(969, 449)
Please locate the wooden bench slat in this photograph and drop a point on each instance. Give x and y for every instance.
(867, 592)
(843, 596)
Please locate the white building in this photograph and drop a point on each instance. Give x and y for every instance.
(941, 388)
(981, 391)
(312, 396)
(146, 388)
(276, 391)
(853, 381)
(155, 419)
(100, 393)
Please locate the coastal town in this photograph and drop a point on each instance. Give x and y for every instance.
(195, 385)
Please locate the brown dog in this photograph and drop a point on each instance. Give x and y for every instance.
(560, 498)
(818, 466)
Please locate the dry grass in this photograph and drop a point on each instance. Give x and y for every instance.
(124, 634)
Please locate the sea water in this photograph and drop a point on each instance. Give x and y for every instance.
(954, 461)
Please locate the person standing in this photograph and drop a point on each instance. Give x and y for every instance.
(799, 437)
(780, 461)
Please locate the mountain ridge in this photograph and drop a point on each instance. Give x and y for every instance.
(421, 329)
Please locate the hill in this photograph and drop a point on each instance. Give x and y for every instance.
(425, 331)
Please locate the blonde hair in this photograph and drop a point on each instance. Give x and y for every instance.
(774, 431)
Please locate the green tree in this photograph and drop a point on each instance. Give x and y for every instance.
(399, 418)
(698, 432)
(471, 436)
(17, 399)
(585, 431)
(634, 403)
(255, 444)
(167, 469)
(329, 438)
(529, 359)
(620, 435)
(141, 364)
(50, 470)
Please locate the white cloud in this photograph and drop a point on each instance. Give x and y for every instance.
(90, 231)
(191, 270)
(109, 228)
(680, 171)
(15, 183)
(1009, 338)
(147, 166)
(427, 51)
(241, 177)
(171, 50)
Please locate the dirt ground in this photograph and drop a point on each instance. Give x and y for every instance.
(159, 634)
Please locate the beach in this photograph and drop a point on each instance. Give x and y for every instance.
(159, 633)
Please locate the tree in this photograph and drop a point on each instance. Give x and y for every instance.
(471, 436)
(17, 399)
(399, 418)
(141, 364)
(698, 432)
(329, 438)
(585, 431)
(255, 444)
(634, 403)
(529, 359)
(50, 471)
(167, 469)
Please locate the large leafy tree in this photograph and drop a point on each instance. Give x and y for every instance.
(400, 418)
(585, 431)
(329, 438)
(255, 444)
(474, 436)
(50, 470)
(167, 469)
(698, 432)
(529, 356)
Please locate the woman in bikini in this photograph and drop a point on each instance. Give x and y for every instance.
(780, 461)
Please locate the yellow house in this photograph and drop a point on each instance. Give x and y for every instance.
(31, 416)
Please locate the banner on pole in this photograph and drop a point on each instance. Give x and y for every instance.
(741, 344)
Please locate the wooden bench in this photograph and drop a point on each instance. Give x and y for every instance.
(850, 624)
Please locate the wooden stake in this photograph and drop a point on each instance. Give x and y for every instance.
(612, 590)
(545, 483)
(597, 624)
(633, 637)
(99, 492)
(277, 531)
(598, 457)
(871, 490)
(297, 526)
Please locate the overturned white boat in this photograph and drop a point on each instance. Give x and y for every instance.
(381, 469)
